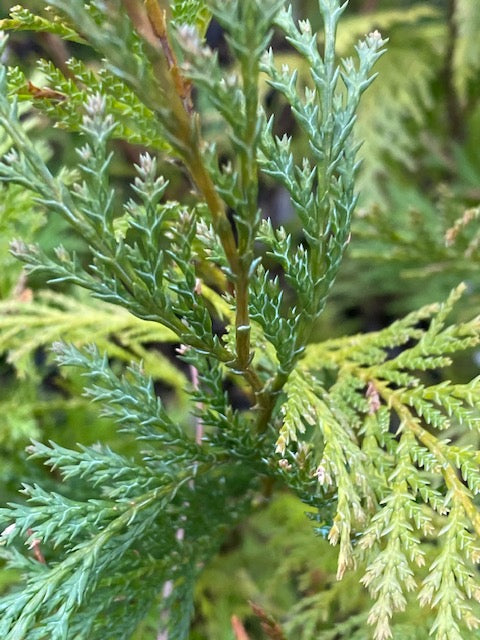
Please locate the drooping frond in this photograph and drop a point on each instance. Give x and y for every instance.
(439, 242)
(384, 448)
(121, 541)
(26, 326)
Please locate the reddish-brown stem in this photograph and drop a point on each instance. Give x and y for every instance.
(150, 22)
(35, 547)
(238, 629)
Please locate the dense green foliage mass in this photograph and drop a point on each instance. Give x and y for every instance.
(184, 234)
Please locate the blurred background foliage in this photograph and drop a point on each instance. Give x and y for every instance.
(416, 234)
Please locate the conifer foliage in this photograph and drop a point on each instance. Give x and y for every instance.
(352, 426)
